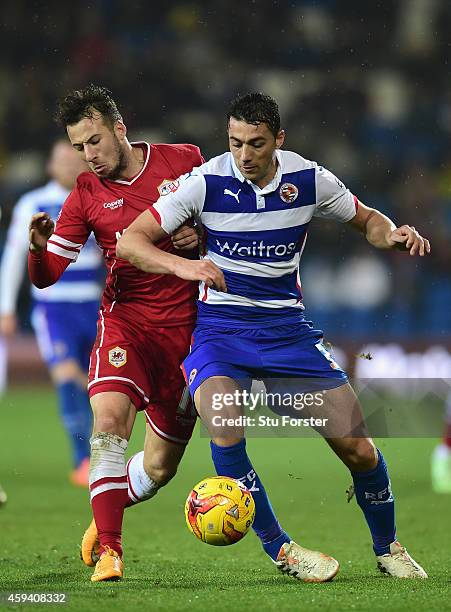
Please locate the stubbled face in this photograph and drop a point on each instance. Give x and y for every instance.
(65, 164)
(99, 145)
(252, 147)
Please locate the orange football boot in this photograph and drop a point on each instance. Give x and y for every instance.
(108, 567)
(90, 545)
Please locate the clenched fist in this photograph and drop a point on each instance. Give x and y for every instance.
(40, 229)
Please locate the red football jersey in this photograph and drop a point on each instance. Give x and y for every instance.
(107, 208)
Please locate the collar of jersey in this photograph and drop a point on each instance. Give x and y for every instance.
(136, 177)
(272, 186)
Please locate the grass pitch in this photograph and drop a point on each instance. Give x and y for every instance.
(168, 569)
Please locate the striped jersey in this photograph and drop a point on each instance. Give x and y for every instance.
(79, 283)
(256, 236)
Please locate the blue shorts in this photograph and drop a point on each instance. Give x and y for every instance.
(273, 355)
(65, 330)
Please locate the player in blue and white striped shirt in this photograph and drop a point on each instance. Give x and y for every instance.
(64, 315)
(255, 204)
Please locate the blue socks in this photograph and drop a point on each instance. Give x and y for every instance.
(233, 461)
(372, 490)
(374, 496)
(75, 413)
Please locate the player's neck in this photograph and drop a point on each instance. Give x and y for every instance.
(134, 158)
(270, 174)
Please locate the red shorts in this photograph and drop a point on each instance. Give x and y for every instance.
(145, 365)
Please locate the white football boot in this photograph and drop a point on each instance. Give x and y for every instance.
(399, 563)
(306, 565)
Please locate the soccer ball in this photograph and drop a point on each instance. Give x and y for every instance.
(219, 510)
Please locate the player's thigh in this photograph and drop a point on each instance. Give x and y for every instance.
(161, 456)
(114, 412)
(218, 402)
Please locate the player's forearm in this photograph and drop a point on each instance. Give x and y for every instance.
(45, 268)
(137, 249)
(377, 230)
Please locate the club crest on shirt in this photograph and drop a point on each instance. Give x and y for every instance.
(168, 186)
(117, 356)
(192, 376)
(288, 192)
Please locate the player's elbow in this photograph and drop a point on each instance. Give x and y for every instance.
(40, 284)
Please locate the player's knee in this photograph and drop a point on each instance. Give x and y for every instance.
(110, 423)
(68, 370)
(361, 455)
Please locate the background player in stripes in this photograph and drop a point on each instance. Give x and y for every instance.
(65, 348)
(255, 203)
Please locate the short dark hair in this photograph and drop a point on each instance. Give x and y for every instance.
(256, 108)
(82, 103)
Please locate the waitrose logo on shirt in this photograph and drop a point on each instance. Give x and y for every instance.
(256, 249)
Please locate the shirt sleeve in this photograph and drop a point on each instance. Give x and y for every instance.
(45, 268)
(14, 256)
(333, 199)
(71, 230)
(185, 201)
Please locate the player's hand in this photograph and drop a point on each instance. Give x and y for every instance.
(406, 238)
(185, 238)
(40, 229)
(8, 325)
(203, 270)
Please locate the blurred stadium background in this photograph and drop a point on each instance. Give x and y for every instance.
(363, 89)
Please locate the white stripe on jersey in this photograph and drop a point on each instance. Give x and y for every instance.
(64, 242)
(53, 248)
(270, 220)
(272, 269)
(217, 297)
(88, 258)
(80, 291)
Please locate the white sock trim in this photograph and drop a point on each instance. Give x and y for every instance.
(140, 486)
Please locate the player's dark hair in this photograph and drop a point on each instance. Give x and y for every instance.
(256, 108)
(82, 103)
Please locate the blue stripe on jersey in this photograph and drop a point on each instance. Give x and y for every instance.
(76, 276)
(259, 246)
(52, 209)
(262, 288)
(218, 201)
(240, 317)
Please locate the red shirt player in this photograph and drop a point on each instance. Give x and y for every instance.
(145, 320)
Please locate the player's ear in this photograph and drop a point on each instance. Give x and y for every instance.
(280, 138)
(120, 130)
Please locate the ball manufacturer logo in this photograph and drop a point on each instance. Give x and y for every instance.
(117, 356)
(168, 186)
(288, 192)
(192, 376)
